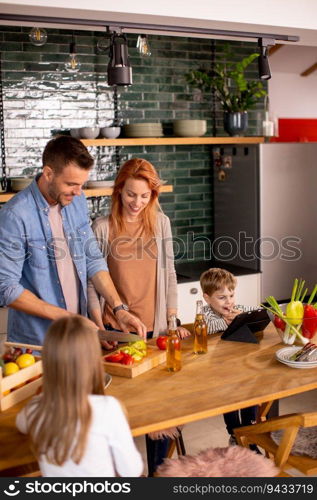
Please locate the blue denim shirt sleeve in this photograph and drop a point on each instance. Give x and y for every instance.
(12, 256)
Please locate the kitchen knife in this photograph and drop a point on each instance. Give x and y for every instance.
(112, 335)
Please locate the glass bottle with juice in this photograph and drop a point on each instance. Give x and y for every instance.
(173, 347)
(200, 330)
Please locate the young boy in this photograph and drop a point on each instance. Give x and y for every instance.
(218, 287)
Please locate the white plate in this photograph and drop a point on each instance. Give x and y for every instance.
(283, 355)
(99, 184)
(108, 380)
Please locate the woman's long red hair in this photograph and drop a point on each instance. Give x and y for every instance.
(136, 168)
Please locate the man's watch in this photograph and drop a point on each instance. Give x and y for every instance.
(119, 308)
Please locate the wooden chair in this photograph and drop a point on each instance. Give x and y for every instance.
(281, 454)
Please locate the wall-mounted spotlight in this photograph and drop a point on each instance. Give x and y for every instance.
(119, 68)
(143, 46)
(263, 60)
(38, 36)
(72, 65)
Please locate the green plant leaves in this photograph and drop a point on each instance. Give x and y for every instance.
(232, 88)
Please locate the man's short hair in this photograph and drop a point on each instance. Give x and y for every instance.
(216, 278)
(63, 150)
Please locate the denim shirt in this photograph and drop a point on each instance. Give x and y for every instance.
(27, 259)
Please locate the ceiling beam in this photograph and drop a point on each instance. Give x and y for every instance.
(275, 48)
(309, 70)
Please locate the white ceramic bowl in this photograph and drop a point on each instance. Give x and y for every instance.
(110, 132)
(89, 132)
(74, 132)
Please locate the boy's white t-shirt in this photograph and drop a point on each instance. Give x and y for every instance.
(110, 447)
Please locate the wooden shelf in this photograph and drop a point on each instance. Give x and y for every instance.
(4, 197)
(166, 141)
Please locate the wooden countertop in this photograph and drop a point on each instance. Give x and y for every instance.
(230, 376)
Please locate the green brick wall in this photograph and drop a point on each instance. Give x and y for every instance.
(40, 99)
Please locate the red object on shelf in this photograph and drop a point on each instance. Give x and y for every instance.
(296, 130)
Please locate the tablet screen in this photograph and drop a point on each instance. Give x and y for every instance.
(256, 321)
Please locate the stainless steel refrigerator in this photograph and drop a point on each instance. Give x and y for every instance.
(265, 212)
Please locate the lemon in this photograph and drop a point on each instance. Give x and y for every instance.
(10, 368)
(25, 360)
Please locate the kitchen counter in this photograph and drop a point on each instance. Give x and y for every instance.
(191, 271)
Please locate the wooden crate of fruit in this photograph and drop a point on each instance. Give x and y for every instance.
(22, 380)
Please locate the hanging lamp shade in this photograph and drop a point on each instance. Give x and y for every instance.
(119, 68)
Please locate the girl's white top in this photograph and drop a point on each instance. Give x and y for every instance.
(110, 447)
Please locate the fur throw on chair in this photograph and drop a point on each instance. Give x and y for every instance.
(305, 442)
(233, 461)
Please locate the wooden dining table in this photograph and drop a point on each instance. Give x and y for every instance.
(232, 375)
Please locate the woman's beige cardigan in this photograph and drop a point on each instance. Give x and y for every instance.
(166, 284)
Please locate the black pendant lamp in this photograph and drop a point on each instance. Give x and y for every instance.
(119, 68)
(263, 60)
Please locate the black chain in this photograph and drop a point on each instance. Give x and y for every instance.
(116, 123)
(4, 183)
(213, 90)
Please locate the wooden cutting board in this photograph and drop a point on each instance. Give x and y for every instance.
(153, 358)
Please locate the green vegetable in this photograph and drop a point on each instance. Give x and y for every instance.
(274, 308)
(135, 353)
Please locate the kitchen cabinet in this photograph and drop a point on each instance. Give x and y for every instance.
(247, 293)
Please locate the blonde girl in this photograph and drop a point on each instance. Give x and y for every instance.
(75, 429)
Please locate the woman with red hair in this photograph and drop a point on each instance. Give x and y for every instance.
(136, 241)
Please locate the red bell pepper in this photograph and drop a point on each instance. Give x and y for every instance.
(116, 357)
(309, 325)
(127, 359)
(279, 323)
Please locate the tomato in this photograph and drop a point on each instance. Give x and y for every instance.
(127, 359)
(279, 323)
(161, 342)
(116, 357)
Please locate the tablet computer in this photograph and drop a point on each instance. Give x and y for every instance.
(244, 326)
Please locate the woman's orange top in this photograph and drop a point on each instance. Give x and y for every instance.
(132, 263)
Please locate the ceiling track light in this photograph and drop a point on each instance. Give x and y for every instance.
(191, 30)
(263, 60)
(119, 69)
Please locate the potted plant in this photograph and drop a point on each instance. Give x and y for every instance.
(236, 94)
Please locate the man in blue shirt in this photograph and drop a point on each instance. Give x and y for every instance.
(48, 250)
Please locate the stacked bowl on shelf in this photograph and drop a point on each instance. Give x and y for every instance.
(19, 183)
(143, 130)
(189, 128)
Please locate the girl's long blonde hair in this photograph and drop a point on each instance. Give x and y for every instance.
(136, 168)
(72, 369)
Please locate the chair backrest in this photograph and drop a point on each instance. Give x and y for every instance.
(280, 437)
